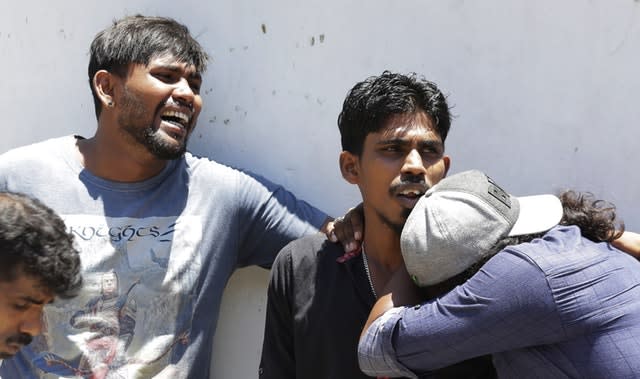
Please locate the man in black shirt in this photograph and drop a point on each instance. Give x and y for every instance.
(393, 129)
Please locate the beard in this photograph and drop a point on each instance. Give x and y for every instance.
(395, 226)
(157, 144)
(137, 121)
(393, 190)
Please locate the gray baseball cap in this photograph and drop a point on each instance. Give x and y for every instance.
(461, 218)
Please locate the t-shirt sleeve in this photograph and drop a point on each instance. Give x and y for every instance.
(271, 217)
(506, 305)
(278, 360)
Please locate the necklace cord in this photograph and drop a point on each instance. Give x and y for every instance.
(366, 270)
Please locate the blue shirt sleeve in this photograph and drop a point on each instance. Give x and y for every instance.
(506, 305)
(270, 217)
(376, 353)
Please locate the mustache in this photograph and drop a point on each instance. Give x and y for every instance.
(413, 181)
(20, 339)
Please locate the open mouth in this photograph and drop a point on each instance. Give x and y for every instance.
(408, 195)
(176, 118)
(411, 193)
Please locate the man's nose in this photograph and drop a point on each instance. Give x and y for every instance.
(413, 163)
(32, 324)
(183, 94)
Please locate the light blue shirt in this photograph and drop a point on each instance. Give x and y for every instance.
(156, 256)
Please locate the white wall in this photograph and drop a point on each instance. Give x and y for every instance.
(545, 94)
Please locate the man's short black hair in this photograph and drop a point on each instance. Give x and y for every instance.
(370, 103)
(138, 39)
(34, 242)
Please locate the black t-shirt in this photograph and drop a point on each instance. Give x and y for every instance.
(316, 309)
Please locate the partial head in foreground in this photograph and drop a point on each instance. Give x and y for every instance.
(393, 128)
(467, 217)
(38, 263)
(462, 218)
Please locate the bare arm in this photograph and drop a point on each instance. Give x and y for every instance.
(400, 290)
(629, 242)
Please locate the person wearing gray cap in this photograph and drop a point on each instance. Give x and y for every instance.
(541, 289)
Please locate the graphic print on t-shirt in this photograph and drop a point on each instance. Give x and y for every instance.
(134, 314)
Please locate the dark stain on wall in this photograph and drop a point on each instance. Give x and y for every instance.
(312, 41)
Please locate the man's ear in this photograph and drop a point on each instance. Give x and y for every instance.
(447, 164)
(349, 167)
(103, 83)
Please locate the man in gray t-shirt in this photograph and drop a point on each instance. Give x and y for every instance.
(160, 231)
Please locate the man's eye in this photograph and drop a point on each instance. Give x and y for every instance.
(21, 307)
(195, 87)
(164, 77)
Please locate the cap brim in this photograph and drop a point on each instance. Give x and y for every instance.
(537, 214)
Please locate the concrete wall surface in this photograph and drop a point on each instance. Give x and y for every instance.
(545, 96)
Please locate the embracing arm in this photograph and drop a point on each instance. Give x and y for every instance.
(629, 242)
(463, 323)
(273, 216)
(373, 356)
(268, 217)
(400, 290)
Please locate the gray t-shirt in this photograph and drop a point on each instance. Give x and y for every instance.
(156, 256)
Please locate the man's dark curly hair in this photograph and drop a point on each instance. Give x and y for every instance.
(34, 242)
(138, 39)
(370, 103)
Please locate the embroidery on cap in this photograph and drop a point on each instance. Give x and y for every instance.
(499, 193)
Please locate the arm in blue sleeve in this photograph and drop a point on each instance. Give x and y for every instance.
(270, 218)
(506, 305)
(376, 356)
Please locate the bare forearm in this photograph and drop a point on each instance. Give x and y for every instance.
(629, 242)
(400, 290)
